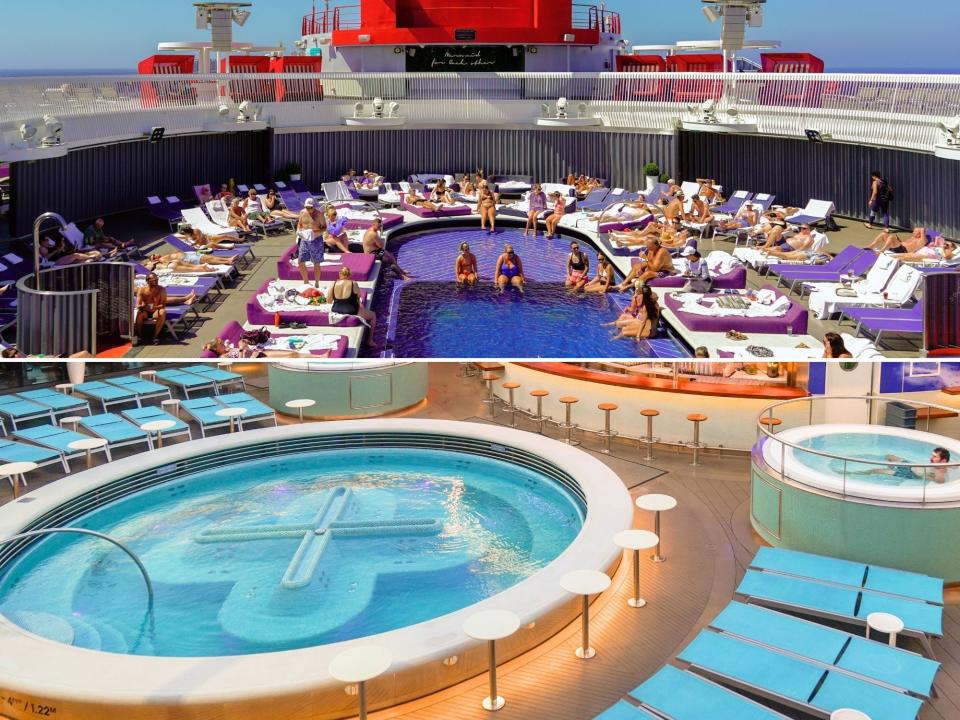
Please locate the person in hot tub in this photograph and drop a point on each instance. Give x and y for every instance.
(939, 456)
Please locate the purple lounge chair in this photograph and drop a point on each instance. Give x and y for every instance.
(849, 261)
(258, 315)
(735, 202)
(445, 211)
(169, 209)
(795, 319)
(239, 249)
(736, 279)
(234, 331)
(595, 199)
(876, 321)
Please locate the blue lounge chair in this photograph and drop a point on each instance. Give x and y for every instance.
(256, 410)
(116, 431)
(843, 604)
(222, 378)
(846, 572)
(144, 389)
(240, 251)
(680, 695)
(17, 410)
(792, 681)
(107, 395)
(142, 416)
(187, 382)
(60, 403)
(59, 439)
(12, 451)
(894, 667)
(895, 321)
(204, 413)
(734, 202)
(625, 711)
(850, 260)
(763, 201)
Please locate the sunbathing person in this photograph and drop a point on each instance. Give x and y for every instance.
(647, 320)
(603, 282)
(213, 242)
(708, 192)
(559, 210)
(487, 207)
(699, 212)
(253, 207)
(833, 346)
(152, 301)
(655, 263)
(671, 209)
(801, 246)
(310, 245)
(273, 205)
(72, 258)
(633, 238)
(947, 251)
(441, 194)
(187, 263)
(509, 270)
(95, 237)
(346, 301)
(672, 239)
(578, 268)
(335, 236)
(467, 187)
(237, 217)
(204, 195)
(773, 235)
(415, 199)
(890, 242)
(373, 245)
(225, 194)
(245, 350)
(746, 217)
(536, 204)
(465, 268)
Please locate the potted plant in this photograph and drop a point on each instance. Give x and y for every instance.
(652, 173)
(293, 171)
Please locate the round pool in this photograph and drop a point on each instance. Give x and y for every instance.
(866, 461)
(299, 542)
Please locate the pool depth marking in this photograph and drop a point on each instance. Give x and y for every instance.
(318, 534)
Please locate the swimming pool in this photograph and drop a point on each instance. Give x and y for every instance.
(299, 541)
(428, 317)
(861, 464)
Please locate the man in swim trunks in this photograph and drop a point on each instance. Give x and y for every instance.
(655, 263)
(906, 472)
(310, 247)
(373, 245)
(152, 302)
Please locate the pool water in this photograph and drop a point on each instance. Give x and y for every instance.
(292, 552)
(430, 318)
(864, 446)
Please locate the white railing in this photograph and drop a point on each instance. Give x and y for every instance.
(900, 111)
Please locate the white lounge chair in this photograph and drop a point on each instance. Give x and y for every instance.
(897, 292)
(815, 212)
(198, 219)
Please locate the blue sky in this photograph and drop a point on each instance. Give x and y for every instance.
(846, 33)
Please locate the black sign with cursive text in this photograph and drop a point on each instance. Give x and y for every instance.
(473, 58)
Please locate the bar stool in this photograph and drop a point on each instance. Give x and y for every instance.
(585, 583)
(512, 406)
(539, 417)
(567, 425)
(489, 400)
(635, 541)
(607, 434)
(359, 665)
(649, 440)
(490, 626)
(656, 503)
(467, 370)
(696, 419)
(771, 422)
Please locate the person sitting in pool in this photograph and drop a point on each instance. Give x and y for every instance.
(603, 281)
(335, 236)
(465, 268)
(647, 321)
(346, 301)
(373, 245)
(441, 194)
(416, 200)
(509, 269)
(487, 207)
(939, 456)
(628, 316)
(655, 263)
(559, 210)
(578, 268)
(833, 346)
(244, 350)
(536, 204)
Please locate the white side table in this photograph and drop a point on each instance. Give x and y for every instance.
(171, 406)
(17, 471)
(885, 623)
(492, 625)
(636, 540)
(300, 405)
(585, 583)
(233, 413)
(88, 445)
(73, 421)
(358, 665)
(225, 364)
(65, 388)
(158, 426)
(657, 504)
(150, 375)
(848, 714)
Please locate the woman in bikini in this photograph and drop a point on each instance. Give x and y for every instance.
(346, 301)
(335, 236)
(466, 266)
(578, 268)
(413, 198)
(245, 350)
(441, 194)
(487, 207)
(604, 279)
(237, 217)
(559, 210)
(648, 317)
(271, 203)
(509, 270)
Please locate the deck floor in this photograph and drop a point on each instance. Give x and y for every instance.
(707, 541)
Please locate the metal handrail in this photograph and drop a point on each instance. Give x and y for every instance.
(80, 531)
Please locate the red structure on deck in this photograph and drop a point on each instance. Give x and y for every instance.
(150, 94)
(297, 90)
(254, 90)
(791, 63)
(440, 22)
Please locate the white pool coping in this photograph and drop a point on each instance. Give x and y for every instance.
(797, 471)
(329, 366)
(31, 664)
